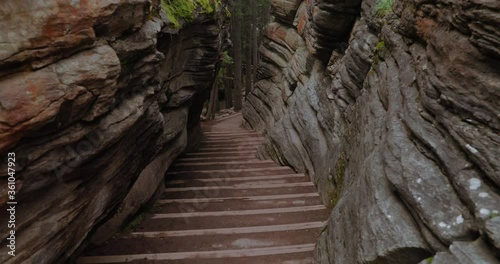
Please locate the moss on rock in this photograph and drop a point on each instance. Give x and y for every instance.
(178, 10)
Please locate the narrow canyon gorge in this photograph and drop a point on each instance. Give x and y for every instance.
(391, 108)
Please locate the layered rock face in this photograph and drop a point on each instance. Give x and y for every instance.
(96, 100)
(393, 110)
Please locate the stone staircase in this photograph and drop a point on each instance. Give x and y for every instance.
(222, 205)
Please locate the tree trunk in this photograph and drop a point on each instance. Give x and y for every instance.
(255, 48)
(237, 61)
(212, 102)
(248, 68)
(217, 101)
(228, 86)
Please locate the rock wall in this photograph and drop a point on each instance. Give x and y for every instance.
(96, 100)
(394, 113)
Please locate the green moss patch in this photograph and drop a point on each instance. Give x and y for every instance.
(384, 7)
(178, 10)
(337, 181)
(379, 52)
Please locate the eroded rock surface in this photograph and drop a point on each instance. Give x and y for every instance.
(394, 114)
(96, 100)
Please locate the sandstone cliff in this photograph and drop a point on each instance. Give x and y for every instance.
(393, 110)
(96, 100)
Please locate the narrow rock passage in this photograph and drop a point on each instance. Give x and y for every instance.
(222, 205)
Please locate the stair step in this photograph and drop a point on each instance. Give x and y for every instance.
(236, 140)
(234, 253)
(290, 258)
(244, 186)
(243, 134)
(155, 224)
(235, 170)
(229, 231)
(230, 133)
(230, 144)
(236, 179)
(227, 149)
(199, 165)
(222, 182)
(229, 166)
(218, 192)
(205, 243)
(256, 161)
(232, 138)
(242, 198)
(242, 212)
(225, 174)
(234, 205)
(221, 153)
(233, 158)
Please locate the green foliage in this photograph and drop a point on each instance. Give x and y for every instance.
(227, 61)
(379, 49)
(384, 7)
(337, 181)
(429, 260)
(251, 14)
(380, 46)
(226, 58)
(184, 9)
(155, 12)
(133, 224)
(208, 6)
(178, 9)
(244, 10)
(493, 215)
